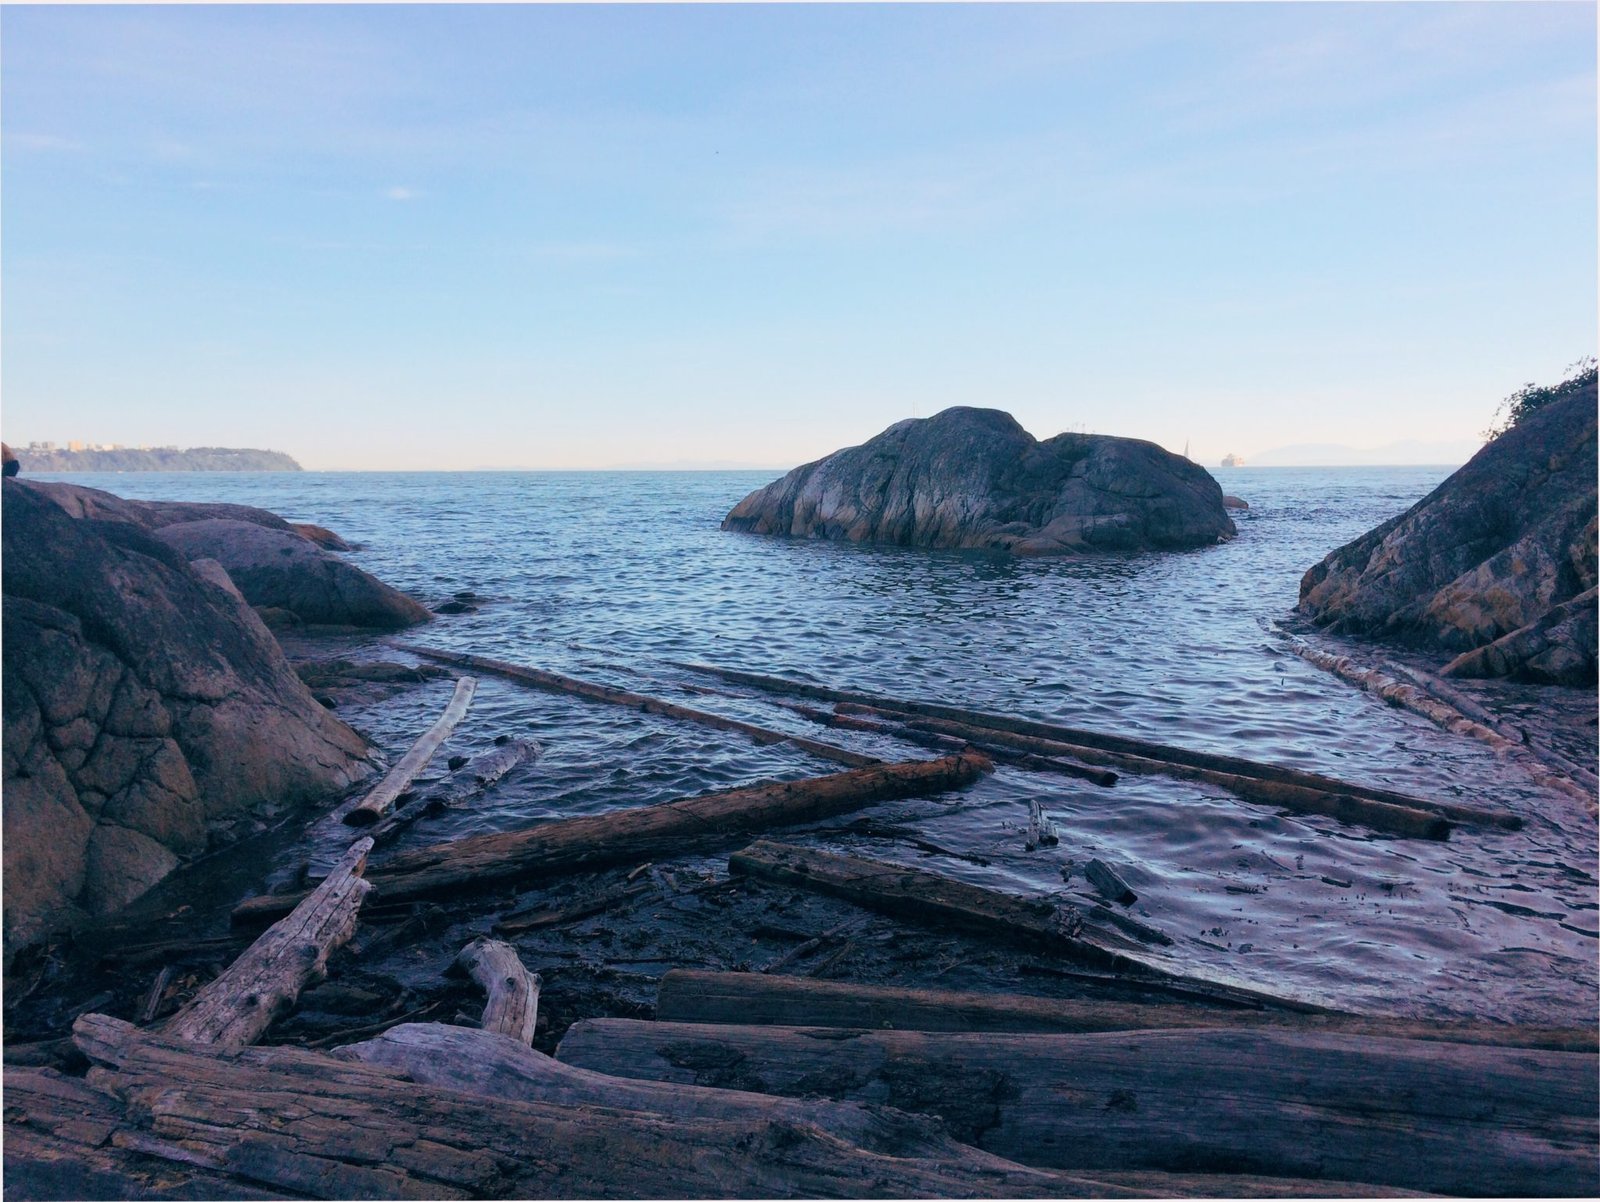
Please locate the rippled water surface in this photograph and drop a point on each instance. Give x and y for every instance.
(609, 576)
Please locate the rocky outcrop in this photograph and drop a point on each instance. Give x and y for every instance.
(281, 570)
(82, 502)
(1501, 544)
(148, 716)
(974, 478)
(1557, 649)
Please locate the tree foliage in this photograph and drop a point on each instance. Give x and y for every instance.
(1530, 398)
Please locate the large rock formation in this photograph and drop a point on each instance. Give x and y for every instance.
(1489, 554)
(148, 715)
(284, 570)
(975, 478)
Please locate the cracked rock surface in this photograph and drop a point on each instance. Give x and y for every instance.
(1505, 543)
(148, 716)
(974, 478)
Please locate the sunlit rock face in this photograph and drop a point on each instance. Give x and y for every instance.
(974, 478)
(148, 716)
(1505, 547)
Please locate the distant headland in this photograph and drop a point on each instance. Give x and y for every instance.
(47, 457)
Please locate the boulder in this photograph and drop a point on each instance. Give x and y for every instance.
(148, 716)
(280, 570)
(1232, 502)
(974, 478)
(1506, 540)
(8, 461)
(321, 535)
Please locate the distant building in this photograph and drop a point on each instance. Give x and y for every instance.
(74, 445)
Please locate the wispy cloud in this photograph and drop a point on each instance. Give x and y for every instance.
(42, 142)
(401, 192)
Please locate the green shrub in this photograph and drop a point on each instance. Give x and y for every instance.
(1530, 398)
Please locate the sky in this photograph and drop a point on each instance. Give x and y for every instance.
(451, 236)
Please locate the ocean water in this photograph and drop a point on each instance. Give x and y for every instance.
(611, 576)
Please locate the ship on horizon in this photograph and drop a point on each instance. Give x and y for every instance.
(1232, 460)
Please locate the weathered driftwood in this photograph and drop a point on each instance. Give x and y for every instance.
(1440, 713)
(376, 803)
(628, 836)
(554, 682)
(513, 992)
(1410, 821)
(1096, 739)
(1451, 1117)
(235, 1008)
(465, 783)
(312, 1124)
(948, 743)
(753, 998)
(1108, 884)
(931, 898)
(542, 917)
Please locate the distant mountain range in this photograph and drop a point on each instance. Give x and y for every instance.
(1395, 454)
(159, 459)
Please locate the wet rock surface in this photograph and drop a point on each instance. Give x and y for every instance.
(1499, 545)
(281, 570)
(974, 478)
(148, 716)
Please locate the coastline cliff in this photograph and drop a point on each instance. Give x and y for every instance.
(157, 459)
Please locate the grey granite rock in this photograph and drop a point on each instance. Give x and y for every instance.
(974, 478)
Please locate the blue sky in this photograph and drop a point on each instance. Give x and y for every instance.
(580, 236)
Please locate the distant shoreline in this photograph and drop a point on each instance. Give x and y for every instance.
(161, 459)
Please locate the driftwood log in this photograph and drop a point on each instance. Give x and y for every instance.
(929, 897)
(512, 1009)
(1105, 742)
(235, 1008)
(644, 832)
(1426, 820)
(465, 783)
(745, 998)
(311, 1124)
(1448, 1117)
(556, 683)
(376, 803)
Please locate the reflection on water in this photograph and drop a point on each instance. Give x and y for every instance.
(610, 575)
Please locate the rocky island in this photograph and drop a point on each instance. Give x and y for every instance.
(974, 478)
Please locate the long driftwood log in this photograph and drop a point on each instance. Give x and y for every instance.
(311, 1124)
(1408, 821)
(235, 1008)
(465, 783)
(644, 832)
(556, 683)
(929, 897)
(1448, 1117)
(512, 1009)
(747, 998)
(1105, 742)
(376, 803)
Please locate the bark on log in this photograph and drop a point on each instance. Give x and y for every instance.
(740, 998)
(942, 901)
(1108, 884)
(553, 682)
(1418, 701)
(1409, 821)
(1096, 739)
(513, 1006)
(480, 772)
(235, 1008)
(315, 1125)
(376, 803)
(1455, 1118)
(628, 836)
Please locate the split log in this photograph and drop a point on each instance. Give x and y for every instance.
(465, 783)
(513, 1006)
(740, 998)
(1095, 739)
(376, 803)
(1409, 821)
(1456, 1118)
(236, 1007)
(644, 832)
(1441, 714)
(315, 1125)
(930, 898)
(1108, 884)
(556, 683)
